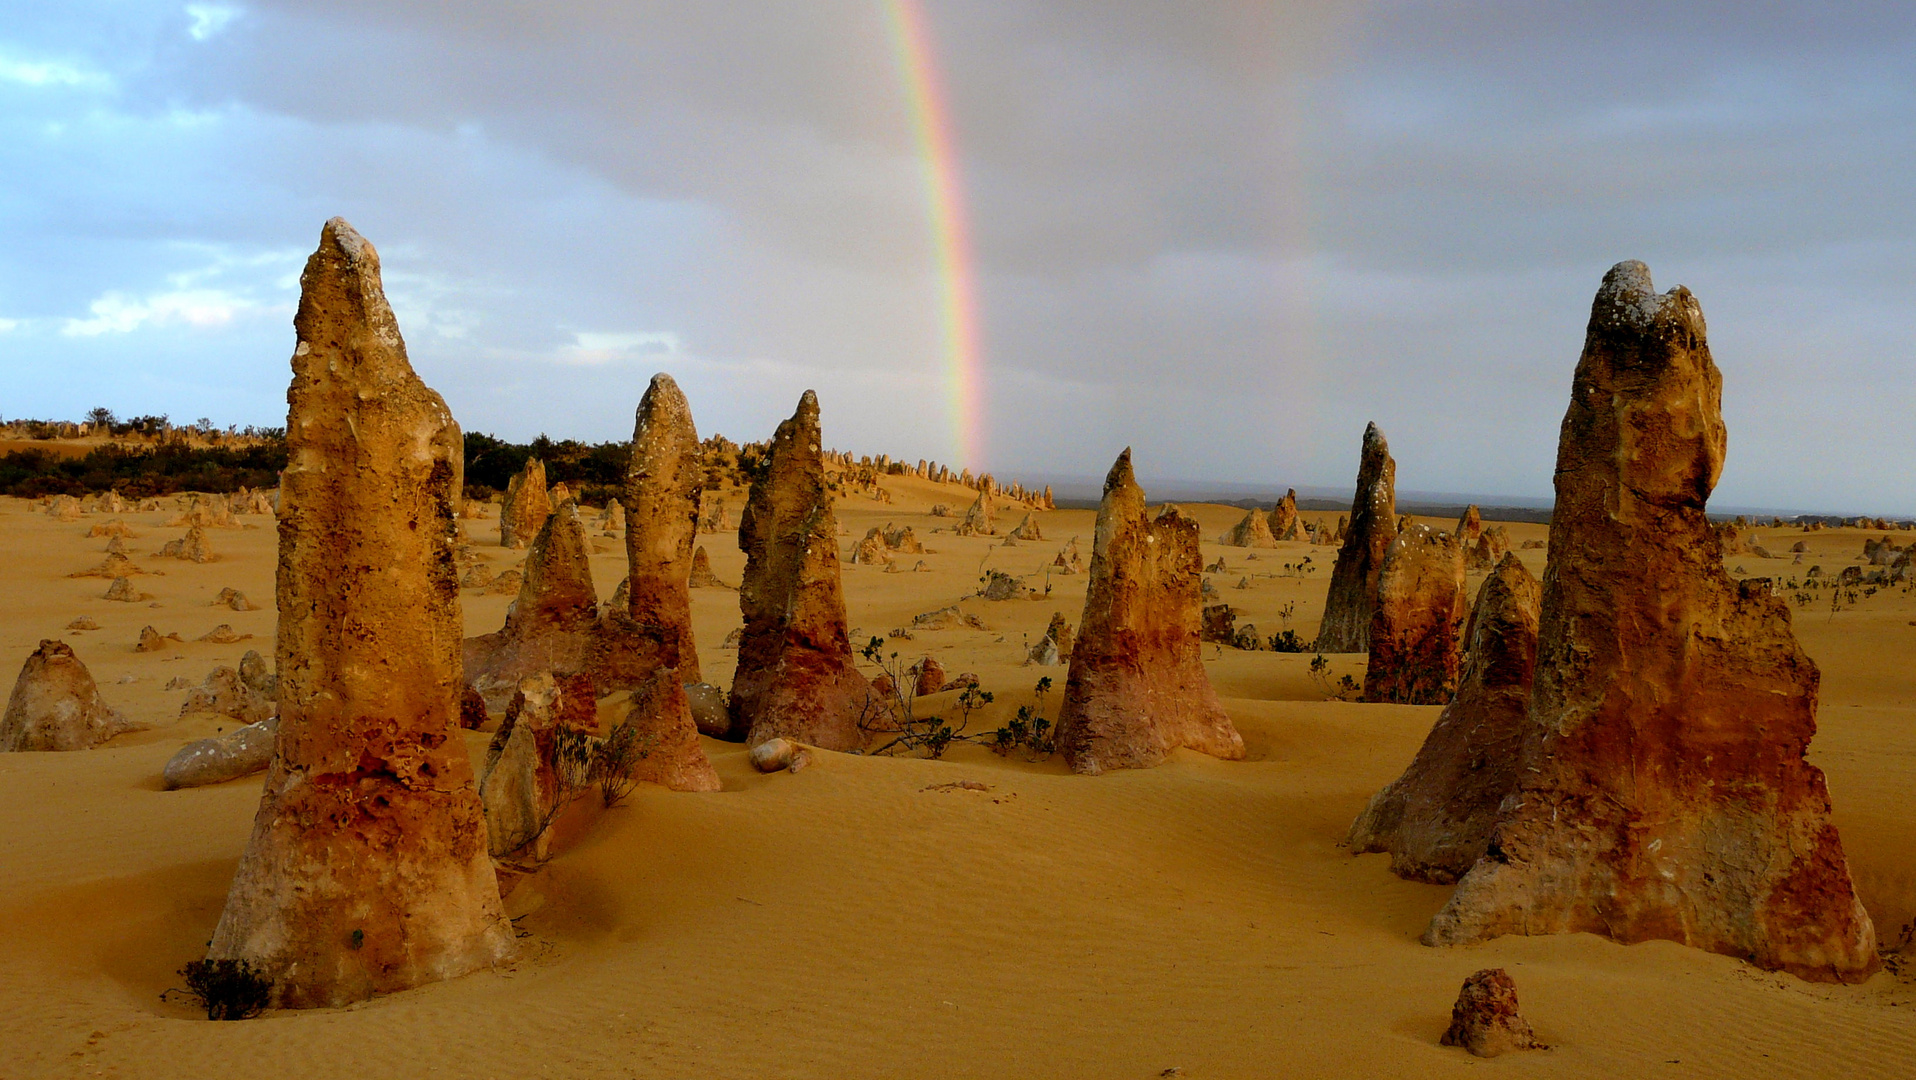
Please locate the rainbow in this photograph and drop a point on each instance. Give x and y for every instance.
(957, 279)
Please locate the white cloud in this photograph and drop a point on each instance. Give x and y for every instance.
(49, 73)
(114, 313)
(9, 325)
(209, 19)
(600, 348)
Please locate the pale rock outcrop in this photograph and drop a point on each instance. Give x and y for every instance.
(707, 703)
(1254, 531)
(903, 541)
(1416, 629)
(1027, 529)
(796, 678)
(536, 760)
(1664, 792)
(234, 599)
(702, 576)
(1435, 820)
(981, 518)
(245, 750)
(1283, 523)
(228, 692)
(1373, 525)
(527, 506)
(1059, 631)
(122, 590)
(115, 528)
(64, 508)
(1137, 689)
(56, 706)
(193, 547)
(367, 869)
(871, 551)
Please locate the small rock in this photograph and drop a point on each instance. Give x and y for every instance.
(708, 709)
(1485, 1020)
(775, 754)
(84, 623)
(237, 753)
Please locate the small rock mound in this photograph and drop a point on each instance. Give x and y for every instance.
(1485, 1020)
(702, 575)
(56, 706)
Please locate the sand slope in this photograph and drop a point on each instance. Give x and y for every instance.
(856, 921)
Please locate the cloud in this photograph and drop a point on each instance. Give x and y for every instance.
(604, 348)
(50, 73)
(1296, 217)
(8, 326)
(113, 313)
(209, 19)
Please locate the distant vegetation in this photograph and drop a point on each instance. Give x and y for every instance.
(138, 471)
(148, 457)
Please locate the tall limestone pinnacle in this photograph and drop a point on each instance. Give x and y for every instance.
(367, 869)
(1664, 793)
(663, 485)
(795, 677)
(1137, 689)
(1373, 525)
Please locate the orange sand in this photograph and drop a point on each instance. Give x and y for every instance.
(848, 922)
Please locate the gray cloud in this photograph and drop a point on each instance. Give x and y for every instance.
(1226, 234)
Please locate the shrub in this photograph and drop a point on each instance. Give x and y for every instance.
(228, 989)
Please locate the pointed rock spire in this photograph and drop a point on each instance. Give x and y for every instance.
(1136, 689)
(367, 869)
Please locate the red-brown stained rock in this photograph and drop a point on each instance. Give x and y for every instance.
(663, 486)
(552, 625)
(795, 677)
(55, 705)
(1436, 818)
(1137, 689)
(675, 758)
(1416, 630)
(367, 869)
(1485, 1020)
(1373, 525)
(1665, 793)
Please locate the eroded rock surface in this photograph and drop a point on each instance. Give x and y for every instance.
(1485, 1020)
(1373, 525)
(1283, 522)
(1664, 792)
(526, 507)
(552, 624)
(663, 486)
(1435, 820)
(796, 678)
(367, 869)
(1136, 688)
(1254, 531)
(1416, 630)
(56, 706)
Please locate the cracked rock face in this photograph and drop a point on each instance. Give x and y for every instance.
(526, 507)
(1664, 794)
(1136, 689)
(796, 678)
(1360, 561)
(367, 869)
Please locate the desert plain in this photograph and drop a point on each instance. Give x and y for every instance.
(978, 915)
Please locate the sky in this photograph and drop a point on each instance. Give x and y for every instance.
(1016, 234)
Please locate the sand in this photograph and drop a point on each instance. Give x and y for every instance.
(859, 920)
